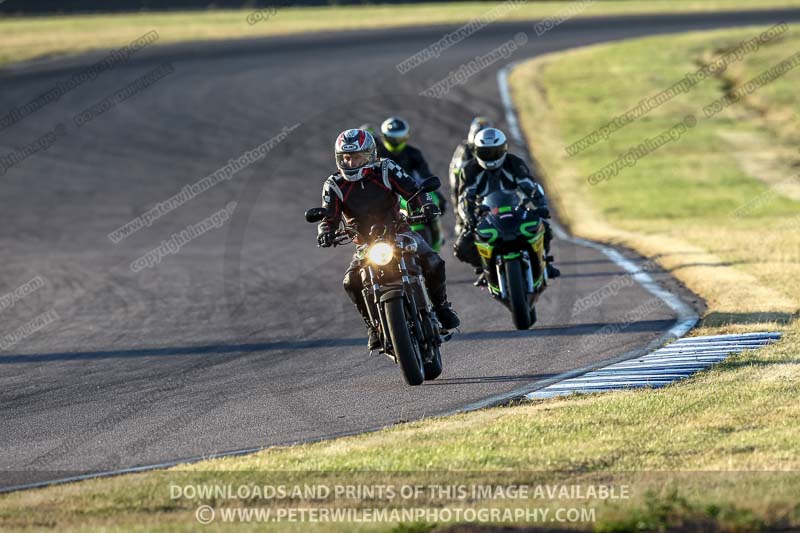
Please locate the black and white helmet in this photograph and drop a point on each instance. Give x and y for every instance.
(394, 131)
(354, 142)
(491, 147)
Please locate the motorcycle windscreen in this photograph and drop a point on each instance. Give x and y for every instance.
(502, 214)
(499, 201)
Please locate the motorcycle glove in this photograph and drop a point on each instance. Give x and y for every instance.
(325, 239)
(431, 211)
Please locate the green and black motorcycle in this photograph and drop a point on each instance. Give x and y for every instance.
(431, 231)
(509, 236)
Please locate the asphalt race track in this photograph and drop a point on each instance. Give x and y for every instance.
(245, 337)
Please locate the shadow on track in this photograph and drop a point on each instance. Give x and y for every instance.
(224, 349)
(590, 328)
(183, 350)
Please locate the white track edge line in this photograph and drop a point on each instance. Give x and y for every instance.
(686, 315)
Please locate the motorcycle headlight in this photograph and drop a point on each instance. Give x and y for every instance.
(380, 253)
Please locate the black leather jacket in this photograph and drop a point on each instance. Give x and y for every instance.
(369, 200)
(410, 159)
(478, 182)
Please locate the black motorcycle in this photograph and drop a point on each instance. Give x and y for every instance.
(396, 294)
(509, 236)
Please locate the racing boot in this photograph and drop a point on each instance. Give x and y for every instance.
(437, 287)
(552, 272)
(373, 339)
(447, 317)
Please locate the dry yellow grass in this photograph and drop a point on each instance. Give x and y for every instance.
(718, 440)
(745, 265)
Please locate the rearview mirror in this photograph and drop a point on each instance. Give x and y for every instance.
(316, 214)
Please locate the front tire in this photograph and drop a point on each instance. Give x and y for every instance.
(405, 348)
(518, 295)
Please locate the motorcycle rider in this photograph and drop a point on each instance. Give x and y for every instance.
(493, 169)
(365, 192)
(462, 155)
(394, 145)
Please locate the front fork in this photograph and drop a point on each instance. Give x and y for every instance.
(501, 278)
(375, 288)
(408, 290)
(526, 260)
(501, 275)
(410, 297)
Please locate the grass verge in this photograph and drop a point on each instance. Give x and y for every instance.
(717, 452)
(720, 450)
(23, 38)
(718, 206)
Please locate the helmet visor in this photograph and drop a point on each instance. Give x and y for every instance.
(352, 160)
(490, 153)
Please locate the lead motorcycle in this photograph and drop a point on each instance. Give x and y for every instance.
(509, 236)
(396, 294)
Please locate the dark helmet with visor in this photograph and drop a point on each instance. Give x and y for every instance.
(491, 148)
(394, 131)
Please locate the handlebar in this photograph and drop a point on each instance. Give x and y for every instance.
(345, 235)
(481, 210)
(418, 219)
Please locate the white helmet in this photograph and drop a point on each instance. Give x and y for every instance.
(491, 148)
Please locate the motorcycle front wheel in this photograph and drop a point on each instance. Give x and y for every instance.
(406, 350)
(518, 295)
